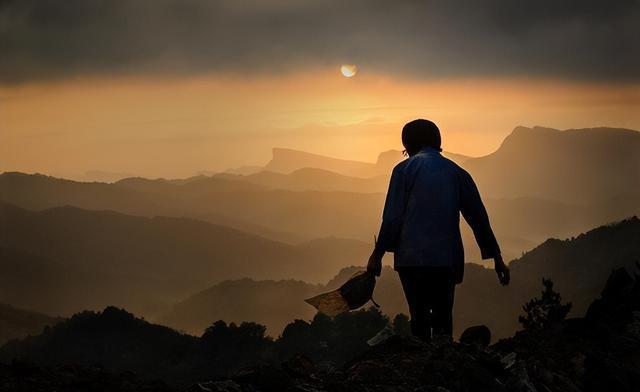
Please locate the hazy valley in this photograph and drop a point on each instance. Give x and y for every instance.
(147, 244)
(248, 248)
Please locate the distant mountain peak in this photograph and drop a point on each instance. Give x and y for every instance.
(520, 130)
(581, 166)
(522, 136)
(286, 160)
(389, 158)
(538, 130)
(282, 152)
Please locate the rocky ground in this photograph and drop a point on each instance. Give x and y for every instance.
(598, 352)
(21, 376)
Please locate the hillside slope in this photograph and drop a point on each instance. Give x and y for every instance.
(50, 256)
(599, 351)
(285, 160)
(49, 286)
(578, 266)
(18, 323)
(578, 166)
(295, 216)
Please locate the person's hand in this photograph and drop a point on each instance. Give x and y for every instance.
(504, 276)
(375, 262)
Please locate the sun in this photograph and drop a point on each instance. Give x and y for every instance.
(348, 70)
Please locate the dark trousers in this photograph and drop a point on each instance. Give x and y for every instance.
(429, 292)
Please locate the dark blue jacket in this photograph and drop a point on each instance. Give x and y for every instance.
(421, 219)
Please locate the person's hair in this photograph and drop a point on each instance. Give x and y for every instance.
(420, 133)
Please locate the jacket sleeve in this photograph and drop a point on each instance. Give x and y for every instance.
(394, 207)
(476, 216)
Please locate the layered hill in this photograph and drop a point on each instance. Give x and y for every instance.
(286, 161)
(313, 179)
(579, 267)
(18, 323)
(278, 214)
(575, 166)
(114, 339)
(136, 196)
(311, 203)
(268, 302)
(166, 246)
(295, 216)
(110, 350)
(50, 286)
(580, 350)
(578, 166)
(69, 248)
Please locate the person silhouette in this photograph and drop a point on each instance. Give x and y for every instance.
(421, 226)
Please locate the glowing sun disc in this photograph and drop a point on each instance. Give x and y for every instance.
(348, 70)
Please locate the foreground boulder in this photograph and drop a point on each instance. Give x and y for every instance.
(479, 334)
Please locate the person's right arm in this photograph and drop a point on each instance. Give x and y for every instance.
(391, 220)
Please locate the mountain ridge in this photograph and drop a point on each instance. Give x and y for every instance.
(17, 323)
(586, 258)
(160, 259)
(577, 166)
(287, 160)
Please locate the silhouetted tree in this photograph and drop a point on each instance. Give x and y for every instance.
(353, 329)
(232, 346)
(542, 312)
(338, 339)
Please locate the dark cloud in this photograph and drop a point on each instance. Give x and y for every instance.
(589, 39)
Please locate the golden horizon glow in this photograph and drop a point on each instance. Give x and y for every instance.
(175, 127)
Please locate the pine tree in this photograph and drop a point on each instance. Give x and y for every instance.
(545, 311)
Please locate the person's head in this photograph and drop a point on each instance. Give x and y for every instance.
(418, 134)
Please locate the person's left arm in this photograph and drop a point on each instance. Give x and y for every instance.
(476, 216)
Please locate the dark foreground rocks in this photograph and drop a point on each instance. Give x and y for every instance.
(479, 334)
(600, 352)
(19, 376)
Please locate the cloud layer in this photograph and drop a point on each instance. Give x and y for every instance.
(590, 39)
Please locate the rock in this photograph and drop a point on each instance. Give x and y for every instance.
(618, 282)
(381, 336)
(633, 328)
(605, 372)
(373, 372)
(475, 377)
(305, 388)
(299, 365)
(264, 378)
(577, 364)
(20, 376)
(520, 380)
(441, 340)
(431, 388)
(216, 386)
(479, 334)
(597, 355)
(508, 360)
(617, 291)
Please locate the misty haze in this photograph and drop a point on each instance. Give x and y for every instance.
(177, 178)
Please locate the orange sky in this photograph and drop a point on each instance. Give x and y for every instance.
(177, 127)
